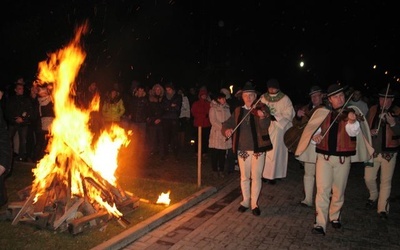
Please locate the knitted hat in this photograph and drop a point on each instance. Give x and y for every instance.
(273, 83)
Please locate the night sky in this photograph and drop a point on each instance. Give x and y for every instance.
(212, 43)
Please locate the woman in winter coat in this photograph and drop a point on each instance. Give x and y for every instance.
(218, 145)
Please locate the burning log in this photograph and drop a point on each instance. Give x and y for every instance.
(57, 210)
(56, 214)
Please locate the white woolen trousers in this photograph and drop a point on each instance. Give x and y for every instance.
(385, 187)
(331, 177)
(309, 183)
(251, 170)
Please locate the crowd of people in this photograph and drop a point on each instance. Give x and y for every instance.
(257, 131)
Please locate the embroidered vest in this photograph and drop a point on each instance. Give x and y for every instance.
(336, 142)
(390, 141)
(261, 139)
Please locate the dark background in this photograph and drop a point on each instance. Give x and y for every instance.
(212, 43)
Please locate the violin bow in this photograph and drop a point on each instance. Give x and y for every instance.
(383, 108)
(337, 116)
(241, 121)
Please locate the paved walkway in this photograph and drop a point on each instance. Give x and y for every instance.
(215, 223)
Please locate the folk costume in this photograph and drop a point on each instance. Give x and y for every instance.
(341, 143)
(282, 111)
(386, 144)
(309, 166)
(250, 142)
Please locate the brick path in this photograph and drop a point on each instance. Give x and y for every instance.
(215, 223)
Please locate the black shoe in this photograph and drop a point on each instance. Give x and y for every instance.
(301, 203)
(336, 224)
(318, 230)
(370, 204)
(383, 215)
(272, 182)
(256, 211)
(242, 209)
(264, 180)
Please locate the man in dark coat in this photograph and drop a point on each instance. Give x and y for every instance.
(5, 158)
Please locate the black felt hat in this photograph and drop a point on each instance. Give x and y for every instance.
(334, 89)
(382, 93)
(314, 89)
(248, 87)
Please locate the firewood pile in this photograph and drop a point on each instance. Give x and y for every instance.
(58, 210)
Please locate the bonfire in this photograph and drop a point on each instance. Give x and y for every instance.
(74, 184)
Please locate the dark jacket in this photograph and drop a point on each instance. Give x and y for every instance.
(18, 106)
(138, 109)
(171, 111)
(5, 145)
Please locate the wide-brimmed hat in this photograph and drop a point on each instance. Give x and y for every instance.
(248, 88)
(390, 93)
(334, 89)
(314, 89)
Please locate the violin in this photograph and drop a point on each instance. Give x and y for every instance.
(344, 115)
(262, 107)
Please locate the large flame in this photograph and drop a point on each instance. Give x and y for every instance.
(72, 153)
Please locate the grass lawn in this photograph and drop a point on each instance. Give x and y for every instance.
(145, 177)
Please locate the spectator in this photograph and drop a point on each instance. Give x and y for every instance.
(45, 109)
(137, 113)
(171, 107)
(88, 95)
(154, 121)
(5, 158)
(357, 101)
(219, 113)
(200, 110)
(231, 158)
(18, 114)
(184, 120)
(113, 107)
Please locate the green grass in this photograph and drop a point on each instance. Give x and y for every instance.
(144, 177)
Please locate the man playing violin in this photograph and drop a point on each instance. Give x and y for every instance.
(335, 141)
(250, 143)
(301, 118)
(385, 131)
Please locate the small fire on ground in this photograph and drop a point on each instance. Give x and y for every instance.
(164, 198)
